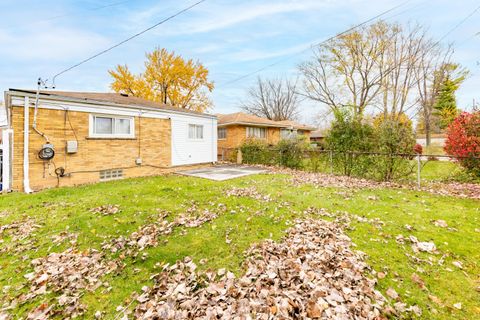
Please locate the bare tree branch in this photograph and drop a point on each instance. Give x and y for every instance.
(274, 99)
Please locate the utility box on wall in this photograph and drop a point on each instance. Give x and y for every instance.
(72, 146)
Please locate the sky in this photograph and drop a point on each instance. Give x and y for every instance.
(231, 38)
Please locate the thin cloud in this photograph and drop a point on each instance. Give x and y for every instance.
(50, 44)
(215, 18)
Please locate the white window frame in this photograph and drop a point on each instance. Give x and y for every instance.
(93, 134)
(225, 133)
(196, 126)
(254, 129)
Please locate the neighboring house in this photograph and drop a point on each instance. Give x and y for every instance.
(317, 136)
(83, 137)
(235, 128)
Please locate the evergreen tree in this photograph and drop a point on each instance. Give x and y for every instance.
(446, 102)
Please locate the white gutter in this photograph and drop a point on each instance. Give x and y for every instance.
(26, 129)
(63, 99)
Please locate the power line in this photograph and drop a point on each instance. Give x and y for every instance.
(315, 45)
(460, 23)
(126, 40)
(114, 4)
(91, 9)
(476, 34)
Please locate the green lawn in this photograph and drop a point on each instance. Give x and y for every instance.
(248, 221)
(431, 171)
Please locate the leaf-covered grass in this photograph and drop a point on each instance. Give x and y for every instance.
(431, 170)
(248, 221)
(445, 171)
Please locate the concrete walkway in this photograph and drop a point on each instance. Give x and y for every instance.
(223, 172)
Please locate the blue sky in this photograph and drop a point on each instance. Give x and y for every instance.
(231, 38)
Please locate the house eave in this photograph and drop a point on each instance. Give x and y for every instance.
(253, 124)
(59, 98)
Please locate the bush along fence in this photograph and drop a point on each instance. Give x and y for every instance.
(369, 165)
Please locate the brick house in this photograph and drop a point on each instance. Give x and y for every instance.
(73, 138)
(235, 128)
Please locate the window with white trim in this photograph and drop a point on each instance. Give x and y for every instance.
(222, 133)
(195, 131)
(256, 132)
(103, 126)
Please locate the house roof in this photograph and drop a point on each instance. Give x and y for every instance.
(118, 99)
(317, 134)
(247, 119)
(297, 125)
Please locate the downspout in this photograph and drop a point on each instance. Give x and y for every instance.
(26, 128)
(215, 140)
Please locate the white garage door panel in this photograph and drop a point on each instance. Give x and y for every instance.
(187, 151)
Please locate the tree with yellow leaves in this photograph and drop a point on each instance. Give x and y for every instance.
(168, 78)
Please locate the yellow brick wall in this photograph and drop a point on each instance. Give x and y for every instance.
(237, 134)
(273, 135)
(152, 142)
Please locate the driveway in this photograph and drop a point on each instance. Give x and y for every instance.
(223, 172)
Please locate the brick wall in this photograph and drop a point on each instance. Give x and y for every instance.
(153, 145)
(237, 134)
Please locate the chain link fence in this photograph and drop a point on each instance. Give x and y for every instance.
(370, 165)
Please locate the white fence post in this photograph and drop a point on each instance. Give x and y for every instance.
(419, 168)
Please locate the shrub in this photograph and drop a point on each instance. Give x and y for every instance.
(347, 137)
(393, 137)
(463, 140)
(256, 151)
(288, 152)
(291, 152)
(418, 149)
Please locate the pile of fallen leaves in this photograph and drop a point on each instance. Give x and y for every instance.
(312, 273)
(21, 236)
(150, 234)
(69, 273)
(107, 209)
(190, 220)
(19, 230)
(250, 192)
(461, 190)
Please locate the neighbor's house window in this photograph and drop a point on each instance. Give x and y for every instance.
(111, 127)
(195, 131)
(255, 132)
(222, 133)
(286, 134)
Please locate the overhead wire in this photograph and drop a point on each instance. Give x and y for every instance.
(460, 23)
(347, 31)
(315, 45)
(126, 40)
(36, 21)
